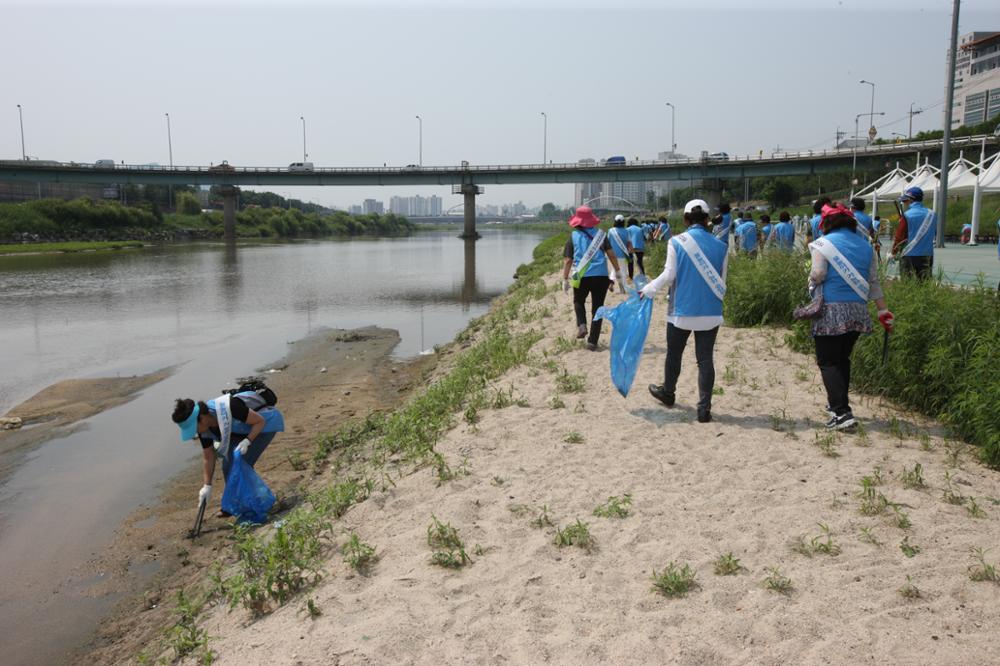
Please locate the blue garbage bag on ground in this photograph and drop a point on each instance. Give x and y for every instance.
(246, 496)
(630, 324)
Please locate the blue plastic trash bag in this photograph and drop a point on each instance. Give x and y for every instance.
(246, 496)
(630, 324)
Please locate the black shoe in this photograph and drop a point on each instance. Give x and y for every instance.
(704, 415)
(581, 331)
(657, 391)
(592, 346)
(829, 411)
(843, 422)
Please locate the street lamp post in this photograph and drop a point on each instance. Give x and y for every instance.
(871, 112)
(170, 149)
(545, 138)
(420, 140)
(20, 117)
(673, 142)
(913, 113)
(305, 155)
(854, 149)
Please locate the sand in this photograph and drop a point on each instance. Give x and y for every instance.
(735, 485)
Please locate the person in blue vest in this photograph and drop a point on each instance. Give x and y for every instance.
(765, 228)
(586, 254)
(662, 232)
(695, 272)
(638, 236)
(721, 227)
(865, 225)
(913, 243)
(621, 243)
(845, 268)
(242, 422)
(783, 233)
(747, 236)
(814, 231)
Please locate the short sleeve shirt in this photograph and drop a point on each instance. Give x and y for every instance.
(240, 412)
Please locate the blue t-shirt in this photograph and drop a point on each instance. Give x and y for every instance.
(747, 233)
(635, 232)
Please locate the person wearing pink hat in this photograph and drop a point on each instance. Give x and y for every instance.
(585, 266)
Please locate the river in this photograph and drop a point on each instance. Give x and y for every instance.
(213, 313)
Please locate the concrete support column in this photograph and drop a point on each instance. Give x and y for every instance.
(229, 194)
(469, 192)
(711, 192)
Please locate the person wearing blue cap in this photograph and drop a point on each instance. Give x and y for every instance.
(913, 243)
(243, 422)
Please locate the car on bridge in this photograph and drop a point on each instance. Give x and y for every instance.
(223, 166)
(614, 159)
(411, 167)
(300, 166)
(104, 164)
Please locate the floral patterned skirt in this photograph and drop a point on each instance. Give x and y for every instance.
(840, 318)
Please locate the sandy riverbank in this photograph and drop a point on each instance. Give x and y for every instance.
(752, 483)
(325, 379)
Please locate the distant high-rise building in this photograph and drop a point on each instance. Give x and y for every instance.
(977, 79)
(354, 210)
(372, 206)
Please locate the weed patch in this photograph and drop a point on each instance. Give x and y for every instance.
(615, 507)
(359, 555)
(982, 571)
(674, 581)
(909, 590)
(448, 547)
(727, 565)
(577, 534)
(777, 582)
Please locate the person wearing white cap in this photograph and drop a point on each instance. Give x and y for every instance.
(695, 272)
(621, 243)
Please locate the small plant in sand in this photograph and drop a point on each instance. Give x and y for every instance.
(615, 507)
(802, 375)
(185, 637)
(562, 345)
(873, 503)
(505, 398)
(674, 581)
(909, 590)
(981, 570)
(953, 454)
(443, 470)
(914, 478)
(498, 481)
(311, 609)
(542, 519)
(718, 390)
(359, 555)
(296, 461)
(335, 500)
(909, 549)
(861, 431)
(780, 421)
(776, 582)
(727, 565)
(519, 510)
(866, 535)
(449, 550)
(577, 534)
(569, 383)
(900, 517)
(822, 543)
(826, 444)
(573, 438)
(896, 430)
(925, 442)
(555, 402)
(974, 509)
(950, 494)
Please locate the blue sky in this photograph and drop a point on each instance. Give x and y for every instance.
(96, 79)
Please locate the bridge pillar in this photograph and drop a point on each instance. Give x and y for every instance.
(469, 192)
(711, 192)
(229, 194)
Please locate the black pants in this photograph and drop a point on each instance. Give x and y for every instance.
(631, 266)
(597, 287)
(704, 348)
(638, 259)
(833, 356)
(920, 267)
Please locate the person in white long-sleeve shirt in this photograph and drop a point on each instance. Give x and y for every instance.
(695, 272)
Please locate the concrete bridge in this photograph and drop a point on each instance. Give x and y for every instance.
(468, 180)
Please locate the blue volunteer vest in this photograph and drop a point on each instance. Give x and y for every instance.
(620, 252)
(635, 232)
(748, 236)
(858, 253)
(581, 241)
(690, 295)
(766, 231)
(727, 221)
(784, 234)
(915, 215)
(273, 420)
(664, 229)
(864, 220)
(814, 225)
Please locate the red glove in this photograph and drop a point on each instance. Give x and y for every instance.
(886, 318)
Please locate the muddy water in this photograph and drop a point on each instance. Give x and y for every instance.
(212, 313)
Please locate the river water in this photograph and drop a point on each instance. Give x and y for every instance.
(213, 312)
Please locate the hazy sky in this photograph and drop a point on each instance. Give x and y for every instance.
(95, 80)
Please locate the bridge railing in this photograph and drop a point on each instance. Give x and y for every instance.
(861, 151)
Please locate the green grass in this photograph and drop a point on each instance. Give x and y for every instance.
(914, 478)
(777, 582)
(359, 555)
(982, 571)
(185, 638)
(577, 534)
(448, 547)
(615, 507)
(573, 438)
(909, 549)
(75, 246)
(674, 581)
(727, 565)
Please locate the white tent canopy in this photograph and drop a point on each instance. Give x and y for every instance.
(961, 176)
(926, 178)
(894, 185)
(989, 177)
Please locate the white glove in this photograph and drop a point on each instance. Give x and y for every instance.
(565, 286)
(620, 277)
(204, 494)
(648, 291)
(243, 446)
